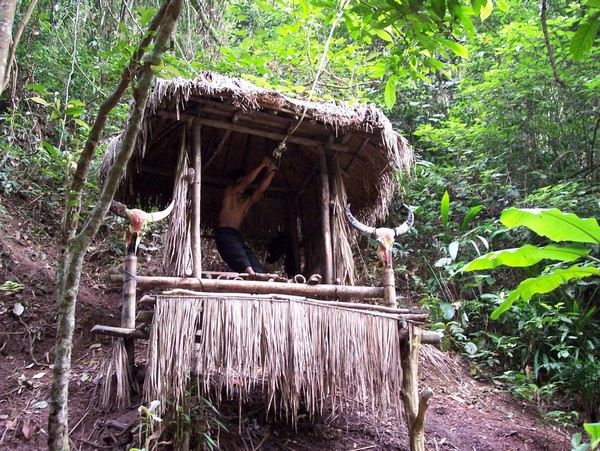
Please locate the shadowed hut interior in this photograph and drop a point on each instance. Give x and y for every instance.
(330, 154)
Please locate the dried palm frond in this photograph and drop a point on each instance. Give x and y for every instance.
(342, 250)
(116, 377)
(298, 352)
(177, 256)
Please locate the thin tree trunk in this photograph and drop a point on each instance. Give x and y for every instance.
(13, 47)
(7, 18)
(549, 49)
(77, 245)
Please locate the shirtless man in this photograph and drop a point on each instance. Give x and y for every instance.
(236, 204)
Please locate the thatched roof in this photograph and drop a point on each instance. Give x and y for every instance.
(241, 123)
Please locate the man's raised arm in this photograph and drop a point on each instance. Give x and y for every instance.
(271, 168)
(246, 180)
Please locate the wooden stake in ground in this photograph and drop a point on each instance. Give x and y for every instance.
(415, 405)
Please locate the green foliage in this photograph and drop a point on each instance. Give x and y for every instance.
(552, 224)
(525, 256)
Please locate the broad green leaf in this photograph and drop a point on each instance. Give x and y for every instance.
(502, 5)
(544, 284)
(593, 3)
(445, 208)
(594, 430)
(439, 7)
(554, 224)
(384, 35)
(470, 215)
(82, 123)
(458, 49)
(525, 256)
(39, 100)
(389, 95)
(584, 37)
(486, 10)
(74, 111)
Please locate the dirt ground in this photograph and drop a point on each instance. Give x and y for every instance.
(464, 414)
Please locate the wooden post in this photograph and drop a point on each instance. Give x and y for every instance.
(389, 286)
(326, 254)
(128, 306)
(196, 185)
(415, 406)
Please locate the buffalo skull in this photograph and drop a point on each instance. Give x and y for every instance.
(385, 237)
(138, 219)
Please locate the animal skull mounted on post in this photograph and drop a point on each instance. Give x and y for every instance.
(384, 236)
(138, 219)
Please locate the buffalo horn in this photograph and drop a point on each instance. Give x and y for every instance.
(357, 224)
(160, 215)
(406, 225)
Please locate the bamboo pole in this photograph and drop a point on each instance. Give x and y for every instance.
(389, 286)
(326, 254)
(196, 185)
(128, 305)
(257, 287)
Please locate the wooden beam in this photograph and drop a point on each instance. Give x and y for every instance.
(196, 187)
(256, 287)
(326, 252)
(275, 136)
(122, 332)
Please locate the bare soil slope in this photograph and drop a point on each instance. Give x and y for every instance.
(463, 415)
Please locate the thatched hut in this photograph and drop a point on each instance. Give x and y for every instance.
(195, 134)
(217, 125)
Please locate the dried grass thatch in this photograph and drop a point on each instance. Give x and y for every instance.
(244, 122)
(116, 378)
(298, 352)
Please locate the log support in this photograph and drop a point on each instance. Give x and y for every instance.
(196, 185)
(415, 404)
(257, 287)
(389, 287)
(128, 305)
(326, 252)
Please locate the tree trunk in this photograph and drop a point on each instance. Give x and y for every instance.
(7, 18)
(76, 245)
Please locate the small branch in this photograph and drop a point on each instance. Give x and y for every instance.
(206, 22)
(549, 48)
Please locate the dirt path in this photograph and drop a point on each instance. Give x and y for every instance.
(464, 414)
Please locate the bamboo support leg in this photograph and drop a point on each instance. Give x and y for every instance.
(196, 184)
(326, 255)
(389, 287)
(128, 306)
(415, 405)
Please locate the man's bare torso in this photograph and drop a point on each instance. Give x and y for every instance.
(234, 208)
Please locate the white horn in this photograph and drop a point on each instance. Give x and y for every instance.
(357, 224)
(160, 215)
(406, 225)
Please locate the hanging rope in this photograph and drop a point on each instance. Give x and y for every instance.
(282, 147)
